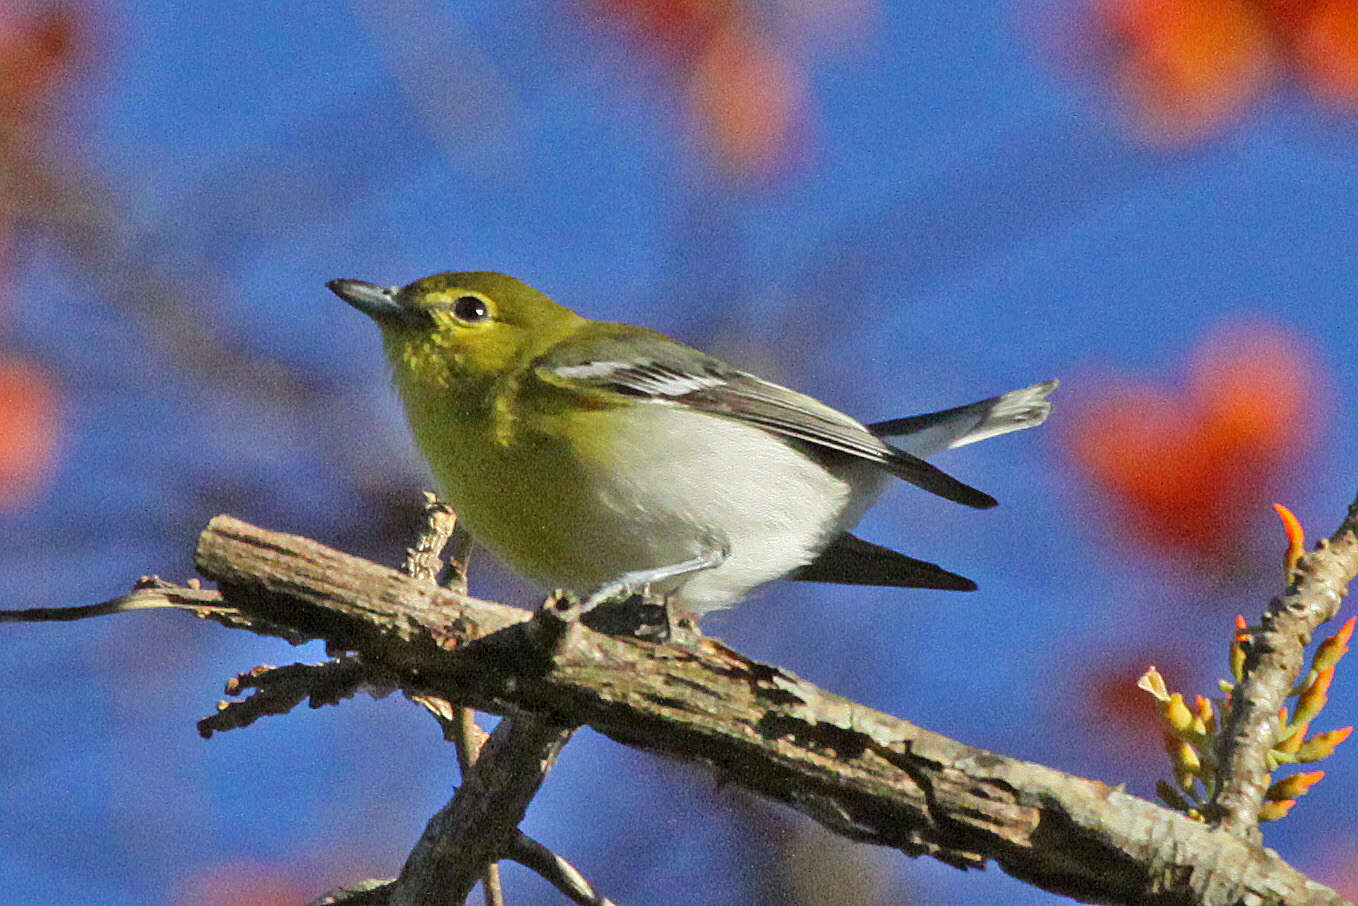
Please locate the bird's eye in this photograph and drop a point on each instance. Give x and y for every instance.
(471, 308)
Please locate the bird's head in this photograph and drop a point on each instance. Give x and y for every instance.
(458, 331)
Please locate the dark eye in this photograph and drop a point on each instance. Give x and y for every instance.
(471, 308)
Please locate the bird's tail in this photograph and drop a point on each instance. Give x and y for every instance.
(922, 435)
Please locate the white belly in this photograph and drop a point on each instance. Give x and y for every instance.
(690, 482)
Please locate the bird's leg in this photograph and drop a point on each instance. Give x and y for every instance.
(619, 614)
(639, 581)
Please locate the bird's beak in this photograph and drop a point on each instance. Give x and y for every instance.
(380, 303)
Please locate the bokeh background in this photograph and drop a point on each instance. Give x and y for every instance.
(895, 207)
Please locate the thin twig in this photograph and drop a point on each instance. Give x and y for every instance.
(468, 737)
(499, 779)
(154, 593)
(150, 593)
(562, 874)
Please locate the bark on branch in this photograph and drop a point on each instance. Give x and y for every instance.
(859, 772)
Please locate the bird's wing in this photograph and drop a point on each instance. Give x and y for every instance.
(660, 371)
(849, 560)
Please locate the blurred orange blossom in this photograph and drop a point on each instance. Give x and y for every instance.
(1185, 468)
(1188, 67)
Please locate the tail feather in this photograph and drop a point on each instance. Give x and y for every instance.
(911, 468)
(923, 435)
(849, 560)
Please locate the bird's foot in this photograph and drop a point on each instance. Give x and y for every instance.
(625, 605)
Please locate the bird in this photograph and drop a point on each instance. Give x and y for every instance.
(610, 460)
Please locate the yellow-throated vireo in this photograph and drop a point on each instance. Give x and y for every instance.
(609, 459)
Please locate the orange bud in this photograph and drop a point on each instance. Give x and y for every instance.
(1346, 631)
(1205, 721)
(1335, 647)
(1293, 787)
(1322, 744)
(1187, 766)
(1314, 697)
(1272, 811)
(1238, 642)
(1292, 743)
(1296, 540)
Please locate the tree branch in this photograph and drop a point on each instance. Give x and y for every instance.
(500, 774)
(476, 827)
(861, 773)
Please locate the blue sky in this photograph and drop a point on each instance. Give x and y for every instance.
(968, 216)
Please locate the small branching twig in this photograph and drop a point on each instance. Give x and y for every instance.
(280, 689)
(1194, 736)
(521, 848)
(1272, 663)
